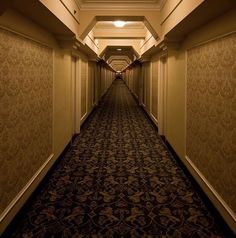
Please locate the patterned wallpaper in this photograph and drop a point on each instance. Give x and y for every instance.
(25, 112)
(211, 114)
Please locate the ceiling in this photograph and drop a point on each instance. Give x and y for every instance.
(131, 30)
(102, 34)
(121, 4)
(107, 38)
(119, 57)
(119, 47)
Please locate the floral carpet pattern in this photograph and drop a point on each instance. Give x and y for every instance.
(117, 180)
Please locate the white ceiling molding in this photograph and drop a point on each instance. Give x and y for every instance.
(121, 4)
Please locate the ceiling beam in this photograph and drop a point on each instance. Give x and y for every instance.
(90, 18)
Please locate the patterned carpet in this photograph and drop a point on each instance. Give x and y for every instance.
(117, 180)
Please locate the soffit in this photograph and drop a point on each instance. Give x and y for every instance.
(126, 51)
(127, 39)
(131, 30)
(119, 59)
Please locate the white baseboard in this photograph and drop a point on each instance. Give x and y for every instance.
(154, 119)
(223, 208)
(143, 105)
(20, 199)
(85, 116)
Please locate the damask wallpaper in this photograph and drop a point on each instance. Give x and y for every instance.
(25, 111)
(211, 114)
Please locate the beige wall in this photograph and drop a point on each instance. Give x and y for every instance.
(62, 100)
(48, 72)
(211, 114)
(105, 77)
(26, 102)
(48, 64)
(132, 79)
(207, 54)
(213, 166)
(175, 110)
(61, 73)
(154, 88)
(210, 70)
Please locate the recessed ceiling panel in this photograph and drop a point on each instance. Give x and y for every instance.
(131, 30)
(128, 25)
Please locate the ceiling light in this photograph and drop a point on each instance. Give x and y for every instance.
(119, 23)
(119, 49)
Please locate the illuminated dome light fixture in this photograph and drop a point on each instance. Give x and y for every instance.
(119, 49)
(119, 23)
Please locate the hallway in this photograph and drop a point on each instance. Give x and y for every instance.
(117, 180)
(60, 61)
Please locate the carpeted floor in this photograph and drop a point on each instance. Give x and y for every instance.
(117, 180)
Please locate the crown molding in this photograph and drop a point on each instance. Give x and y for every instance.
(151, 5)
